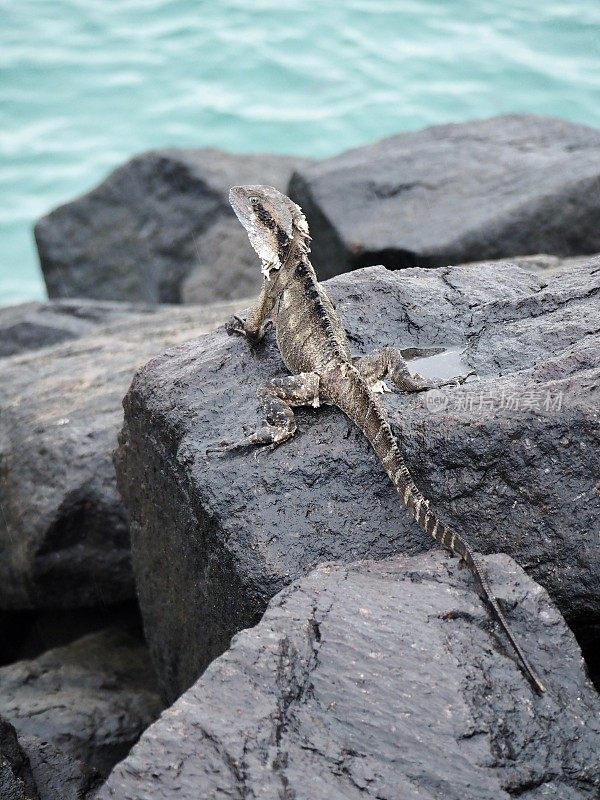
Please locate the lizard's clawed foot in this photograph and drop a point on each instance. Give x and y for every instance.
(457, 380)
(224, 448)
(236, 326)
(217, 448)
(264, 439)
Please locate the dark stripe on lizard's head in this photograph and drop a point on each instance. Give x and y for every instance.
(267, 219)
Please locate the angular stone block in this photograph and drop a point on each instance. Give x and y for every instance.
(505, 186)
(381, 680)
(509, 460)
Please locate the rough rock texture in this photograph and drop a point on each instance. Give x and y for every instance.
(381, 680)
(58, 776)
(453, 193)
(215, 536)
(89, 700)
(542, 263)
(139, 233)
(16, 780)
(64, 537)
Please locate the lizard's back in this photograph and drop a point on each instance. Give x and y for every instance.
(310, 336)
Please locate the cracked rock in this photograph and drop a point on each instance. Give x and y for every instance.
(64, 539)
(88, 701)
(510, 460)
(509, 185)
(139, 233)
(381, 680)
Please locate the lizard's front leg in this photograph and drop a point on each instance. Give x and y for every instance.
(390, 362)
(254, 326)
(277, 399)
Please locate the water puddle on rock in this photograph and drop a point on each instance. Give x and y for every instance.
(436, 362)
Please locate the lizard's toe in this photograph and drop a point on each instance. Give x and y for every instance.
(235, 326)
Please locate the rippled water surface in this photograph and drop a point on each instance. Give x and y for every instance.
(86, 83)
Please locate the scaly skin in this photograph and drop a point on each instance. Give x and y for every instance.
(315, 349)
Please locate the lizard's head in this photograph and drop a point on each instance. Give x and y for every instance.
(272, 222)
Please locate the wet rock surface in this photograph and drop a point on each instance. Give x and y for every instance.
(383, 680)
(64, 539)
(86, 702)
(509, 460)
(150, 223)
(448, 194)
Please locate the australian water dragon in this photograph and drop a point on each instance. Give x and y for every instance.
(314, 347)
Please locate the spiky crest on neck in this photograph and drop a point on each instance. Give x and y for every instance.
(275, 225)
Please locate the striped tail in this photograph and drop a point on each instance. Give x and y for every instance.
(366, 411)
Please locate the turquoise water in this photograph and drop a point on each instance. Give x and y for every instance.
(86, 83)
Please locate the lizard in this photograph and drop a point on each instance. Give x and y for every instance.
(314, 347)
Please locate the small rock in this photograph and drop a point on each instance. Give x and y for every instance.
(381, 680)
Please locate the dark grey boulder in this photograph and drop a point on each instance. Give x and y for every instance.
(229, 267)
(381, 680)
(215, 537)
(150, 223)
(510, 185)
(89, 700)
(64, 538)
(16, 780)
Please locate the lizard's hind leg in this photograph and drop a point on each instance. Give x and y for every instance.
(277, 399)
(390, 362)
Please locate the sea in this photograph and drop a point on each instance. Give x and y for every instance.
(84, 84)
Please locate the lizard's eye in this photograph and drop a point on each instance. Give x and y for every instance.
(254, 200)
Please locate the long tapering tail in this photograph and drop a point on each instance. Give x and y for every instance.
(370, 416)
